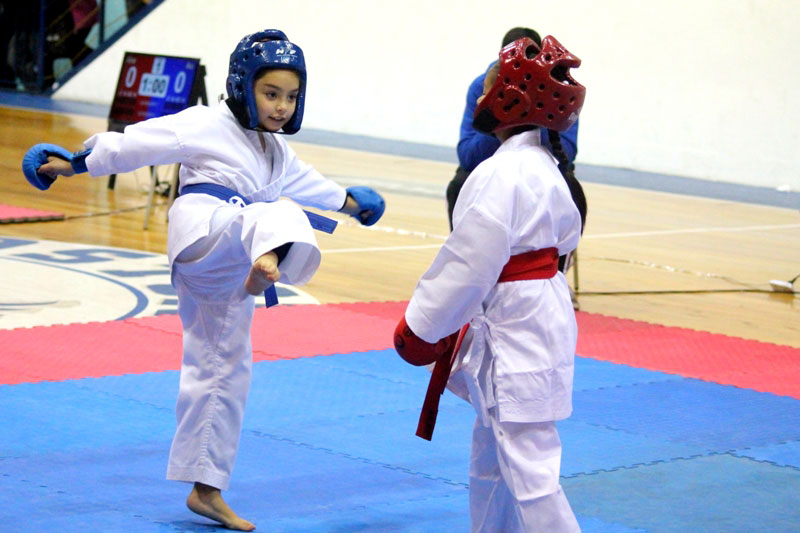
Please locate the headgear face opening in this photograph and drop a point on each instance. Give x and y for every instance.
(268, 49)
(533, 87)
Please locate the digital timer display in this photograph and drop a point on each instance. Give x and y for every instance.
(153, 86)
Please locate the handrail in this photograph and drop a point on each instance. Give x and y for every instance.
(50, 44)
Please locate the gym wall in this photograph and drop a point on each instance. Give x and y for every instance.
(697, 89)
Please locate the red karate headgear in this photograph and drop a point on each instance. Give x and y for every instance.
(533, 87)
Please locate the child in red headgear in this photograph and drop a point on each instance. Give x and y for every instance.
(498, 273)
(231, 236)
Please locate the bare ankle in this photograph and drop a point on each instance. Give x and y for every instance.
(204, 491)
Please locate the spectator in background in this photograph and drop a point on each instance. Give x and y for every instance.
(84, 15)
(115, 16)
(474, 146)
(8, 23)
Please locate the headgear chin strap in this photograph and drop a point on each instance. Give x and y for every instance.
(268, 49)
(533, 87)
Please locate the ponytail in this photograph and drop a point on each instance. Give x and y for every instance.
(568, 171)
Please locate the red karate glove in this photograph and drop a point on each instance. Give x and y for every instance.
(416, 351)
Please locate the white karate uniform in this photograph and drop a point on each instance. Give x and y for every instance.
(211, 247)
(516, 363)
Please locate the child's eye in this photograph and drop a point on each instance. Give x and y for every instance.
(292, 97)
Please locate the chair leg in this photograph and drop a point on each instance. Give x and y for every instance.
(150, 195)
(173, 186)
(575, 269)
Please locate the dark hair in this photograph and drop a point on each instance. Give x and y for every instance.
(568, 171)
(518, 33)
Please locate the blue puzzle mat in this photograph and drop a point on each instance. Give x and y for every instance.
(329, 445)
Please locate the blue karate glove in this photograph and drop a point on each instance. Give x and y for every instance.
(37, 156)
(370, 203)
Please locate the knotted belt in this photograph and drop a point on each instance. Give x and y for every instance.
(318, 222)
(536, 264)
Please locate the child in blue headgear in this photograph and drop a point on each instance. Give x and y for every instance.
(230, 237)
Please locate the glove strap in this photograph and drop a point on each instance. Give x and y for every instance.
(79, 161)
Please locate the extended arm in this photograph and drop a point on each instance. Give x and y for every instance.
(308, 187)
(151, 142)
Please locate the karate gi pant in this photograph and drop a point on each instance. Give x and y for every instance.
(514, 479)
(217, 312)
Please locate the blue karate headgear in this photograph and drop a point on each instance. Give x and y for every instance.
(268, 49)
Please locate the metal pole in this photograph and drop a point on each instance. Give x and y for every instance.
(40, 52)
(102, 22)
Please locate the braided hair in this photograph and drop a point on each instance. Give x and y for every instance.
(568, 171)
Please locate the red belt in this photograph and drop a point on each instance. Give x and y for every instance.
(536, 264)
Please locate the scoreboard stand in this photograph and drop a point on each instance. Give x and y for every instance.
(151, 86)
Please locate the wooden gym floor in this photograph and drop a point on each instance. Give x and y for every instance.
(670, 259)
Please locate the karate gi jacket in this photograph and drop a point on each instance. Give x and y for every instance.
(212, 147)
(519, 353)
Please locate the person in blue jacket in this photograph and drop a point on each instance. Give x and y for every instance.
(474, 146)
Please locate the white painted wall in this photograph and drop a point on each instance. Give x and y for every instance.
(705, 89)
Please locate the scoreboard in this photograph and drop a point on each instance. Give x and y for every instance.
(152, 86)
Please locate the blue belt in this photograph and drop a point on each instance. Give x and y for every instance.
(318, 222)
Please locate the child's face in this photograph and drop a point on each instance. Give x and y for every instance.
(276, 97)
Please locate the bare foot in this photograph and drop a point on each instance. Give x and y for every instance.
(263, 273)
(207, 501)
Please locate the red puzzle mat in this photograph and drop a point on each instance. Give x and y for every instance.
(749, 364)
(285, 332)
(10, 214)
